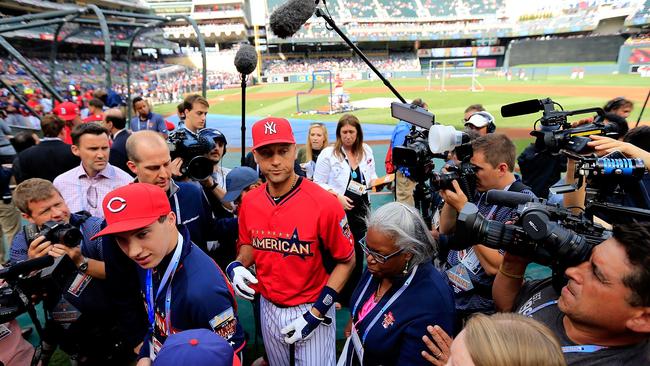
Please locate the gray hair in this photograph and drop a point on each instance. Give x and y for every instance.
(403, 223)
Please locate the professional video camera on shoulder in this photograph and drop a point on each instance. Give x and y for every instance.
(193, 151)
(547, 234)
(427, 141)
(559, 134)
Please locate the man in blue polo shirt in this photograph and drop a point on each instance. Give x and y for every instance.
(182, 287)
(146, 119)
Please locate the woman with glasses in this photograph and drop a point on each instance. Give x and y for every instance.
(399, 294)
(347, 170)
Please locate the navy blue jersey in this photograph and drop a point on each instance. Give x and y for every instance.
(200, 298)
(396, 337)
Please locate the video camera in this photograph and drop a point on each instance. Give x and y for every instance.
(547, 234)
(558, 133)
(192, 150)
(38, 276)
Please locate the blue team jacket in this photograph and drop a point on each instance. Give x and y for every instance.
(200, 298)
(396, 338)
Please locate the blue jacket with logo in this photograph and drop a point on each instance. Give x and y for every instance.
(396, 337)
(200, 298)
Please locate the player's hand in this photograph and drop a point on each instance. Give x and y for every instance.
(240, 277)
(175, 166)
(345, 201)
(39, 247)
(455, 198)
(301, 328)
(438, 345)
(59, 250)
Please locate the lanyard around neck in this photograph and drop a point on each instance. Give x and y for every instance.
(168, 276)
(585, 348)
(390, 301)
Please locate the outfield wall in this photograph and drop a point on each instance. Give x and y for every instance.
(587, 49)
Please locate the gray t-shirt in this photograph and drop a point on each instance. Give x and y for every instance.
(536, 299)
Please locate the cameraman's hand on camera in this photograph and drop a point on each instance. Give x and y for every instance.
(175, 167)
(605, 145)
(59, 250)
(38, 248)
(508, 281)
(456, 199)
(583, 121)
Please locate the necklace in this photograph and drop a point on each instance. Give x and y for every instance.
(293, 184)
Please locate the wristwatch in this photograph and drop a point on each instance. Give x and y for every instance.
(83, 267)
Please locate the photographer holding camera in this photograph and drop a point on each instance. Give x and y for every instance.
(602, 315)
(81, 321)
(471, 271)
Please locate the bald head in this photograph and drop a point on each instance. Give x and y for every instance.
(114, 120)
(141, 140)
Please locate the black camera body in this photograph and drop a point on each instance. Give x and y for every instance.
(57, 232)
(464, 173)
(416, 155)
(192, 150)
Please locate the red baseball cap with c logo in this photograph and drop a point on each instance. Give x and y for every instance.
(132, 207)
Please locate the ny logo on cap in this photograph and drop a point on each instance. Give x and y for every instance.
(63, 111)
(116, 208)
(270, 128)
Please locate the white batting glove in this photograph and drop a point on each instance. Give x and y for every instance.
(301, 328)
(240, 277)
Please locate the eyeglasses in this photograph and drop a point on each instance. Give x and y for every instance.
(380, 258)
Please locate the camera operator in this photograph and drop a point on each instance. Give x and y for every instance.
(472, 271)
(81, 321)
(195, 110)
(602, 315)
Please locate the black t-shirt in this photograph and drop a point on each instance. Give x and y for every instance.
(531, 301)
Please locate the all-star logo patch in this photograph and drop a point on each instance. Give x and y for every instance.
(389, 320)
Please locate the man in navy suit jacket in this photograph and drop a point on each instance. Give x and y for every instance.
(115, 122)
(50, 157)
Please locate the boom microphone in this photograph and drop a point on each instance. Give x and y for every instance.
(246, 59)
(288, 18)
(521, 108)
(507, 198)
(26, 267)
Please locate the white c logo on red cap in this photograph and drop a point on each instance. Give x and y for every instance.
(111, 207)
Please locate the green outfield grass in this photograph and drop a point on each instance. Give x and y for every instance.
(447, 106)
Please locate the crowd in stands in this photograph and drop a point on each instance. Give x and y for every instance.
(148, 78)
(394, 62)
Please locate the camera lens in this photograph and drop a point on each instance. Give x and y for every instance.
(200, 168)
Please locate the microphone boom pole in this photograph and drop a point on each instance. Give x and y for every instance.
(244, 79)
(321, 13)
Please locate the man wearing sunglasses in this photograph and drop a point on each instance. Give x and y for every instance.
(85, 186)
(471, 270)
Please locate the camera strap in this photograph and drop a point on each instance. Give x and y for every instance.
(167, 277)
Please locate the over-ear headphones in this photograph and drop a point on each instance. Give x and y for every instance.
(491, 127)
(615, 103)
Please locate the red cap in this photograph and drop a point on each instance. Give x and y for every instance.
(132, 207)
(272, 130)
(67, 111)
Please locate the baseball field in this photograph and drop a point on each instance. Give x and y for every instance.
(280, 99)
